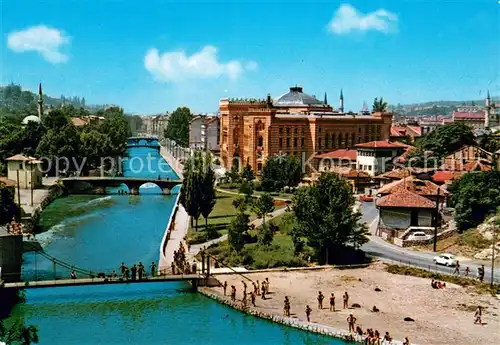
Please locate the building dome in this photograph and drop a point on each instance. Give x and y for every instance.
(295, 97)
(31, 118)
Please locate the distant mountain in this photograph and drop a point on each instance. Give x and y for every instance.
(14, 98)
(435, 107)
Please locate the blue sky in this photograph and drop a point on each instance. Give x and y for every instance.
(152, 56)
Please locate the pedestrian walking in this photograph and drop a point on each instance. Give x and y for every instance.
(457, 268)
(467, 271)
(346, 300)
(351, 321)
(308, 313)
(321, 297)
(478, 316)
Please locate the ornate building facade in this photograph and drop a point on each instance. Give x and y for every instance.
(295, 124)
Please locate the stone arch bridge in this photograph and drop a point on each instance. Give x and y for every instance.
(97, 185)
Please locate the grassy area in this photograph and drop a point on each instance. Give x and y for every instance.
(280, 253)
(462, 281)
(465, 244)
(235, 187)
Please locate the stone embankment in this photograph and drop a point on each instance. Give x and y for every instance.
(288, 321)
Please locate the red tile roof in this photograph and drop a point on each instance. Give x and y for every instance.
(405, 199)
(339, 154)
(468, 115)
(396, 174)
(477, 166)
(381, 144)
(406, 131)
(412, 184)
(445, 176)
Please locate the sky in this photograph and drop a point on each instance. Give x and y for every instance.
(153, 56)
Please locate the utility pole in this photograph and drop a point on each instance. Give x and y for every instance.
(437, 220)
(18, 194)
(493, 254)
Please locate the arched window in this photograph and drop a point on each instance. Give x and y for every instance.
(260, 141)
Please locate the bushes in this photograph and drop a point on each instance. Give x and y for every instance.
(202, 236)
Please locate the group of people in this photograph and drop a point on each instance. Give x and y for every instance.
(321, 297)
(437, 284)
(180, 264)
(373, 337)
(259, 289)
(480, 271)
(136, 272)
(15, 228)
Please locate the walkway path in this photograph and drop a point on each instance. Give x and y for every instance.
(181, 225)
(39, 195)
(193, 251)
(174, 163)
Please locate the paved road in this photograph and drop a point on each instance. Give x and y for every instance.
(381, 249)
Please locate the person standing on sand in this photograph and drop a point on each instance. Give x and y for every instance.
(267, 285)
(351, 321)
(244, 299)
(346, 300)
(224, 287)
(406, 341)
(457, 268)
(286, 307)
(477, 316)
(332, 302)
(244, 287)
(387, 338)
(252, 298)
(321, 297)
(263, 292)
(258, 287)
(308, 313)
(233, 293)
(467, 271)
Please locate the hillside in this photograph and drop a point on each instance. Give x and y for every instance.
(435, 107)
(13, 98)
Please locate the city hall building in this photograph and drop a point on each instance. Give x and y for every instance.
(295, 124)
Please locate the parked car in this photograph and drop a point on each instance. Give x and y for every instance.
(418, 235)
(445, 259)
(366, 198)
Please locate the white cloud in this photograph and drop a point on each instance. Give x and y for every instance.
(42, 39)
(347, 19)
(177, 66)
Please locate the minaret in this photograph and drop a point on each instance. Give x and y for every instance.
(341, 107)
(325, 101)
(40, 101)
(487, 103)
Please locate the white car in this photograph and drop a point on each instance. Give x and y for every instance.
(418, 235)
(445, 259)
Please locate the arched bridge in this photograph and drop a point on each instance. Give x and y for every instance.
(143, 142)
(97, 185)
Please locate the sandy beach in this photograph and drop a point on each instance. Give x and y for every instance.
(441, 316)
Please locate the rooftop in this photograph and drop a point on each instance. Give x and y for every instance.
(445, 176)
(405, 199)
(414, 185)
(296, 97)
(23, 158)
(381, 144)
(339, 154)
(8, 182)
(468, 115)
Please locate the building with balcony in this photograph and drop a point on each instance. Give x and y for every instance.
(204, 132)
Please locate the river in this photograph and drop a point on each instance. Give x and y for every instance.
(99, 233)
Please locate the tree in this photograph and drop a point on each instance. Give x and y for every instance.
(263, 206)
(8, 207)
(246, 188)
(379, 105)
(32, 133)
(280, 171)
(238, 231)
(233, 175)
(208, 197)
(266, 235)
(325, 217)
(247, 172)
(178, 126)
(19, 334)
(475, 196)
(191, 192)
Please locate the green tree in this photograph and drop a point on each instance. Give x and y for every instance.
(247, 172)
(475, 196)
(178, 126)
(379, 105)
(280, 171)
(238, 231)
(263, 206)
(19, 334)
(8, 207)
(266, 235)
(233, 175)
(117, 129)
(191, 191)
(208, 197)
(246, 187)
(325, 217)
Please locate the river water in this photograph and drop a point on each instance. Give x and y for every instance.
(99, 233)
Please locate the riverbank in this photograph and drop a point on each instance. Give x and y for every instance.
(442, 316)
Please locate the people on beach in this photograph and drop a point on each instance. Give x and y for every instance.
(406, 341)
(244, 287)
(233, 293)
(286, 307)
(263, 290)
(258, 287)
(478, 315)
(252, 298)
(321, 297)
(387, 337)
(308, 313)
(332, 302)
(224, 287)
(351, 322)
(267, 285)
(244, 299)
(346, 300)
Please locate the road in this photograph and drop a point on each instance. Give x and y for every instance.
(383, 250)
